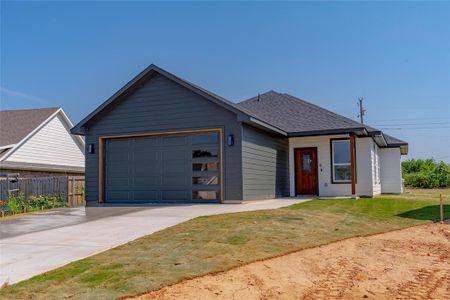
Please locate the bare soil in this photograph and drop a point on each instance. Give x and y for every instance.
(413, 263)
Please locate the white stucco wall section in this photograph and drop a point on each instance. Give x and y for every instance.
(391, 171)
(52, 144)
(364, 166)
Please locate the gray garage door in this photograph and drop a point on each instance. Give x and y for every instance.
(167, 168)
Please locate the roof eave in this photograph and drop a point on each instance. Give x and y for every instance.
(361, 131)
(264, 125)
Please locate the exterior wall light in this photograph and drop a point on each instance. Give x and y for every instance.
(91, 148)
(230, 140)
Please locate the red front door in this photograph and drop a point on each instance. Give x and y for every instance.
(306, 171)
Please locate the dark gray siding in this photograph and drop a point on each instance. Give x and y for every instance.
(163, 105)
(265, 164)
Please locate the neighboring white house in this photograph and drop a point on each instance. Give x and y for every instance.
(38, 142)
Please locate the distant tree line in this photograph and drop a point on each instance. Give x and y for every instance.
(426, 173)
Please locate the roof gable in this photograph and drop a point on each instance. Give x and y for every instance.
(29, 122)
(142, 78)
(15, 125)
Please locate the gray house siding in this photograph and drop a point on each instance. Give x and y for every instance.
(265, 164)
(163, 105)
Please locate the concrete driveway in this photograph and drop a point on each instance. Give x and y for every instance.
(33, 244)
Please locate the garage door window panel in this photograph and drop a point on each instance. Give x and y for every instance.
(204, 167)
(205, 195)
(202, 180)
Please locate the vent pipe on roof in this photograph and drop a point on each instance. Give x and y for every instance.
(259, 98)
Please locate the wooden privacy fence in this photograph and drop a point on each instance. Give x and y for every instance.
(72, 187)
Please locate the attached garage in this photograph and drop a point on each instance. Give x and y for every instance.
(162, 167)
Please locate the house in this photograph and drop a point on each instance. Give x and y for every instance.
(163, 139)
(37, 142)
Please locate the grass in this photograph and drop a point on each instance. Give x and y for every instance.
(216, 243)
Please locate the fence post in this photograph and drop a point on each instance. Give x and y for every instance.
(442, 210)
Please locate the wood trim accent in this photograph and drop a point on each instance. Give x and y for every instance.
(102, 138)
(100, 169)
(352, 163)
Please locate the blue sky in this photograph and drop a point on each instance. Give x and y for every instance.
(396, 55)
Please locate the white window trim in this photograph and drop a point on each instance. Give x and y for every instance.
(333, 164)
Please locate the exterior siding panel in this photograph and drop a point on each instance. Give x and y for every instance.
(52, 145)
(265, 165)
(162, 105)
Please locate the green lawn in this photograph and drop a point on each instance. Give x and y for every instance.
(217, 243)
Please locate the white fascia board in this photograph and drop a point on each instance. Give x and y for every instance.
(7, 146)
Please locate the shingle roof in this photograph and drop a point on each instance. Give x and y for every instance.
(17, 124)
(392, 141)
(295, 115)
(292, 114)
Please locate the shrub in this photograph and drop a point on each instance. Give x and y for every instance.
(47, 201)
(426, 173)
(16, 204)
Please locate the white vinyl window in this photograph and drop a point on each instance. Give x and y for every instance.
(340, 161)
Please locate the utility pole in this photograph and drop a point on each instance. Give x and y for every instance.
(362, 111)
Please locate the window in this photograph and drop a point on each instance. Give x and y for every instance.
(306, 163)
(213, 180)
(340, 161)
(205, 195)
(204, 153)
(209, 166)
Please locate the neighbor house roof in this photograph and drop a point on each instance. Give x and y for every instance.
(278, 112)
(15, 125)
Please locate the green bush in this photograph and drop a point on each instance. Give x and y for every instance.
(18, 204)
(47, 201)
(426, 173)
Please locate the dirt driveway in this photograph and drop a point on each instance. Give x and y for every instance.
(413, 263)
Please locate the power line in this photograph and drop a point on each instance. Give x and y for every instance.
(410, 119)
(408, 128)
(413, 124)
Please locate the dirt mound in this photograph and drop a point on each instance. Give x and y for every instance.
(408, 264)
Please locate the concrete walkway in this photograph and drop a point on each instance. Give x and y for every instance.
(84, 232)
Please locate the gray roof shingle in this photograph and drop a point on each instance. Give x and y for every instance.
(292, 114)
(295, 115)
(17, 124)
(393, 141)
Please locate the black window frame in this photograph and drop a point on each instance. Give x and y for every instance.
(331, 161)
